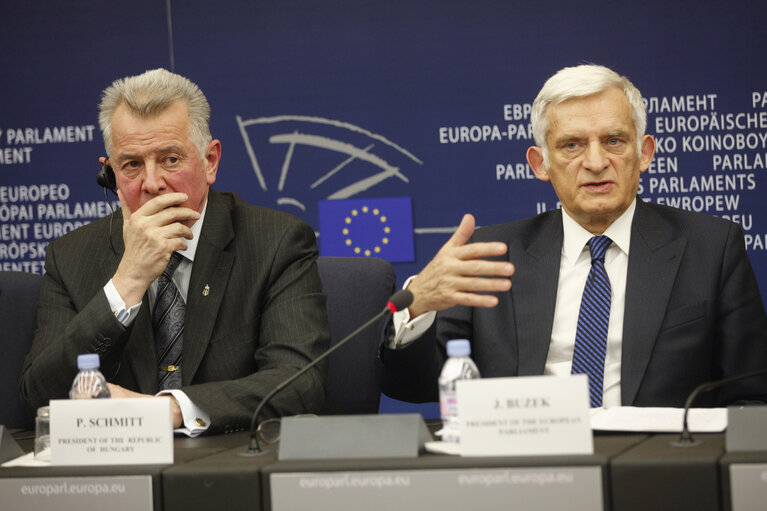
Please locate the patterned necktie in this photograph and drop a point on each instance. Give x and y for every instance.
(594, 317)
(168, 320)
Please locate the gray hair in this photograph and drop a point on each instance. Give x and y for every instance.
(150, 94)
(580, 81)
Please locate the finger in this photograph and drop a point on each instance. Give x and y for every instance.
(482, 267)
(171, 215)
(157, 204)
(463, 233)
(480, 249)
(482, 284)
(475, 300)
(102, 160)
(175, 230)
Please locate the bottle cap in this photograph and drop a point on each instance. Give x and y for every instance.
(88, 361)
(458, 348)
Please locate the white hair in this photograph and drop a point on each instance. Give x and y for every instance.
(150, 94)
(580, 81)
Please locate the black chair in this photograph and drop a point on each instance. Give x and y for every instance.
(18, 314)
(357, 289)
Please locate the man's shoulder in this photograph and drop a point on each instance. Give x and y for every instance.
(259, 222)
(524, 228)
(93, 233)
(78, 256)
(240, 207)
(683, 221)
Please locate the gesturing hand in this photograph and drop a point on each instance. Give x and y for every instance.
(457, 274)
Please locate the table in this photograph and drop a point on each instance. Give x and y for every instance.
(626, 472)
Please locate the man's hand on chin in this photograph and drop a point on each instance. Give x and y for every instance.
(118, 392)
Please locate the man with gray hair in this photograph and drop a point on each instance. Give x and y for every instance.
(649, 301)
(184, 292)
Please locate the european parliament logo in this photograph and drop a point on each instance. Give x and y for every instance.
(367, 228)
(322, 158)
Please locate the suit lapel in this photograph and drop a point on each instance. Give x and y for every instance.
(654, 259)
(534, 292)
(207, 285)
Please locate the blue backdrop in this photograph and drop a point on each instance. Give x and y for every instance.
(421, 100)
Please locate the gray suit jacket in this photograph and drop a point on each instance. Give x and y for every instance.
(262, 318)
(693, 313)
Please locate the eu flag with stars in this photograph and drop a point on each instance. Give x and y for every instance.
(367, 228)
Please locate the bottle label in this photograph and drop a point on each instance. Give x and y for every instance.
(448, 404)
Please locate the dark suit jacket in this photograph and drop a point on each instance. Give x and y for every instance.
(693, 313)
(262, 318)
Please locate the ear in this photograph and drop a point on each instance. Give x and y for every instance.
(646, 153)
(535, 160)
(212, 157)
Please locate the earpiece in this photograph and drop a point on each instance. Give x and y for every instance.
(106, 177)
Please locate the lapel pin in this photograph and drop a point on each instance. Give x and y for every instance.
(206, 291)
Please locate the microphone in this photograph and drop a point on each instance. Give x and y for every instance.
(685, 437)
(397, 302)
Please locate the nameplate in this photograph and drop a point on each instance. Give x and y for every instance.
(521, 416)
(353, 436)
(113, 493)
(746, 426)
(111, 431)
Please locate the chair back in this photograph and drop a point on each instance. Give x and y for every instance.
(357, 289)
(18, 314)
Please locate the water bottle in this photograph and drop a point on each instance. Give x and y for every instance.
(459, 366)
(89, 382)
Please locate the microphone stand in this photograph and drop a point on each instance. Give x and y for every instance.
(398, 301)
(685, 437)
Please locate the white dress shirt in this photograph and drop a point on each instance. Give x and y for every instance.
(196, 421)
(574, 268)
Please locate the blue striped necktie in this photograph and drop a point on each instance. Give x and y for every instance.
(168, 320)
(594, 317)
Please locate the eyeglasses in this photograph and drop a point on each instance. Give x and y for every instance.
(269, 430)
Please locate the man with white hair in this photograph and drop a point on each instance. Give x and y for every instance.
(649, 301)
(184, 292)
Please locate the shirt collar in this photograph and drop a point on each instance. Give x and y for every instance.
(576, 237)
(196, 230)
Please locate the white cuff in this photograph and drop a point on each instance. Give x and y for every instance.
(116, 303)
(196, 422)
(405, 330)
